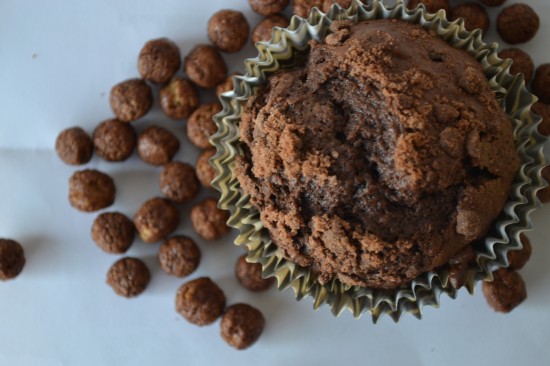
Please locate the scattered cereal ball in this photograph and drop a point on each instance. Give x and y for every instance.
(226, 86)
(74, 146)
(131, 99)
(459, 265)
(113, 232)
(178, 182)
(128, 277)
(200, 301)
(159, 60)
(544, 194)
(262, 31)
(157, 145)
(12, 259)
(506, 291)
(200, 125)
(432, 6)
(91, 190)
(493, 2)
(179, 256)
(208, 220)
(475, 16)
(522, 62)
(268, 7)
(517, 23)
(541, 83)
(302, 8)
(543, 110)
(228, 30)
(205, 66)
(179, 98)
(156, 219)
(205, 171)
(114, 140)
(250, 275)
(518, 258)
(241, 325)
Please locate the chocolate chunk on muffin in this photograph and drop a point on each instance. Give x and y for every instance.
(157, 145)
(517, 23)
(228, 30)
(179, 98)
(543, 110)
(378, 178)
(241, 325)
(205, 171)
(522, 62)
(200, 301)
(541, 83)
(208, 220)
(250, 275)
(114, 140)
(74, 146)
(91, 190)
(156, 219)
(268, 7)
(475, 16)
(179, 256)
(432, 6)
(178, 182)
(113, 232)
(128, 277)
(506, 291)
(12, 259)
(131, 99)
(205, 66)
(262, 31)
(201, 126)
(158, 60)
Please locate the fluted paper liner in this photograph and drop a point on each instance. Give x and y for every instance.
(281, 52)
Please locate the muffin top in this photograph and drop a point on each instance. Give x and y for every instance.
(380, 158)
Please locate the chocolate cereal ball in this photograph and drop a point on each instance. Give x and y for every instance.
(475, 16)
(178, 182)
(541, 83)
(131, 99)
(432, 6)
(518, 258)
(517, 23)
(262, 31)
(200, 301)
(74, 146)
(113, 232)
(12, 259)
(156, 219)
(228, 30)
(302, 8)
(200, 125)
(522, 62)
(543, 110)
(226, 86)
(205, 171)
(544, 194)
(506, 291)
(205, 66)
(241, 325)
(128, 277)
(268, 7)
(114, 140)
(492, 2)
(208, 220)
(159, 60)
(250, 275)
(459, 265)
(157, 145)
(179, 98)
(179, 256)
(91, 190)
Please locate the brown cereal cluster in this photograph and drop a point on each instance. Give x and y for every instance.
(506, 291)
(12, 259)
(250, 275)
(91, 190)
(157, 145)
(205, 171)
(128, 277)
(74, 146)
(159, 60)
(179, 182)
(156, 219)
(200, 126)
(200, 301)
(226, 86)
(228, 30)
(268, 7)
(208, 220)
(541, 83)
(242, 325)
(179, 256)
(131, 99)
(114, 140)
(432, 6)
(522, 62)
(302, 8)
(475, 16)
(113, 232)
(204, 65)
(262, 31)
(179, 98)
(517, 23)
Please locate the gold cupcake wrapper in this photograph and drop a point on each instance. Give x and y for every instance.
(284, 48)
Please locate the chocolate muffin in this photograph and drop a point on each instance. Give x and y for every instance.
(542, 110)
(157, 145)
(228, 30)
(128, 277)
(178, 182)
(131, 99)
(159, 60)
(250, 275)
(208, 220)
(522, 62)
(475, 16)
(302, 8)
(91, 190)
(156, 219)
(262, 31)
(432, 6)
(517, 23)
(492, 2)
(205, 66)
(205, 171)
(12, 259)
(114, 140)
(506, 291)
(201, 126)
(179, 256)
(113, 232)
(541, 83)
(179, 98)
(200, 301)
(226, 86)
(268, 7)
(241, 325)
(74, 146)
(382, 177)
(518, 258)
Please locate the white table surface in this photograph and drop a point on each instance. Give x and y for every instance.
(58, 60)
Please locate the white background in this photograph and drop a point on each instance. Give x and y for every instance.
(58, 60)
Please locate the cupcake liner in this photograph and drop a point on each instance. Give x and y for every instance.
(288, 45)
